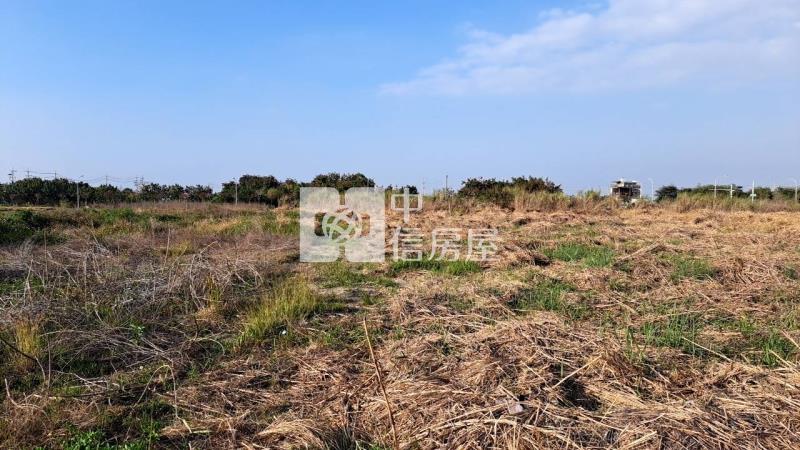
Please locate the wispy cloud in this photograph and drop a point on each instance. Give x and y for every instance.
(626, 44)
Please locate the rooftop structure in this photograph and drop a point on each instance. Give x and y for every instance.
(627, 191)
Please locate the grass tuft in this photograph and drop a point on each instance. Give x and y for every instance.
(549, 295)
(341, 274)
(287, 225)
(589, 255)
(454, 268)
(675, 332)
(686, 267)
(287, 303)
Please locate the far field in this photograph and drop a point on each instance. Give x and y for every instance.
(195, 326)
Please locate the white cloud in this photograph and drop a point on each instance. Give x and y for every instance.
(626, 44)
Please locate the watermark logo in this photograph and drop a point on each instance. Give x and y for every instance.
(355, 229)
(330, 227)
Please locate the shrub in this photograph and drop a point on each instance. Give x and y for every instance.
(20, 225)
(666, 193)
(502, 192)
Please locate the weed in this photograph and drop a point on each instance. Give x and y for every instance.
(618, 285)
(678, 331)
(769, 347)
(273, 224)
(340, 274)
(548, 295)
(146, 423)
(774, 348)
(454, 268)
(686, 267)
(287, 303)
(237, 227)
(367, 299)
(589, 255)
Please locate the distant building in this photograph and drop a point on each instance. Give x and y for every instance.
(627, 191)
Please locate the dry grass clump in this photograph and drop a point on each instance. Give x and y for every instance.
(516, 384)
(685, 203)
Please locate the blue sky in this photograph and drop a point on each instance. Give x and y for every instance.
(681, 91)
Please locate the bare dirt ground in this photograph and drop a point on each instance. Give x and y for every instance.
(198, 328)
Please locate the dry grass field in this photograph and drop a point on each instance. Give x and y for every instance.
(175, 326)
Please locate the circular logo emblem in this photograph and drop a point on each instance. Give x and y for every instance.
(341, 226)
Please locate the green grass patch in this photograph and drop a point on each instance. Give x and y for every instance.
(284, 305)
(549, 295)
(757, 345)
(454, 268)
(676, 331)
(774, 347)
(145, 422)
(688, 267)
(589, 255)
(341, 274)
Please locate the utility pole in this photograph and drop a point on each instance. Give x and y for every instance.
(795, 188)
(652, 189)
(11, 175)
(28, 173)
(78, 192)
(236, 195)
(753, 192)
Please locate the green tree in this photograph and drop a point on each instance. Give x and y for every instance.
(666, 193)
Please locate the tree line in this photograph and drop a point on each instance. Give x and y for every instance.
(268, 190)
(247, 189)
(671, 192)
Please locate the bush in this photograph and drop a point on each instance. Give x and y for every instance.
(502, 192)
(666, 193)
(20, 225)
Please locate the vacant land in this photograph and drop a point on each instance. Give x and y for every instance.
(176, 326)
